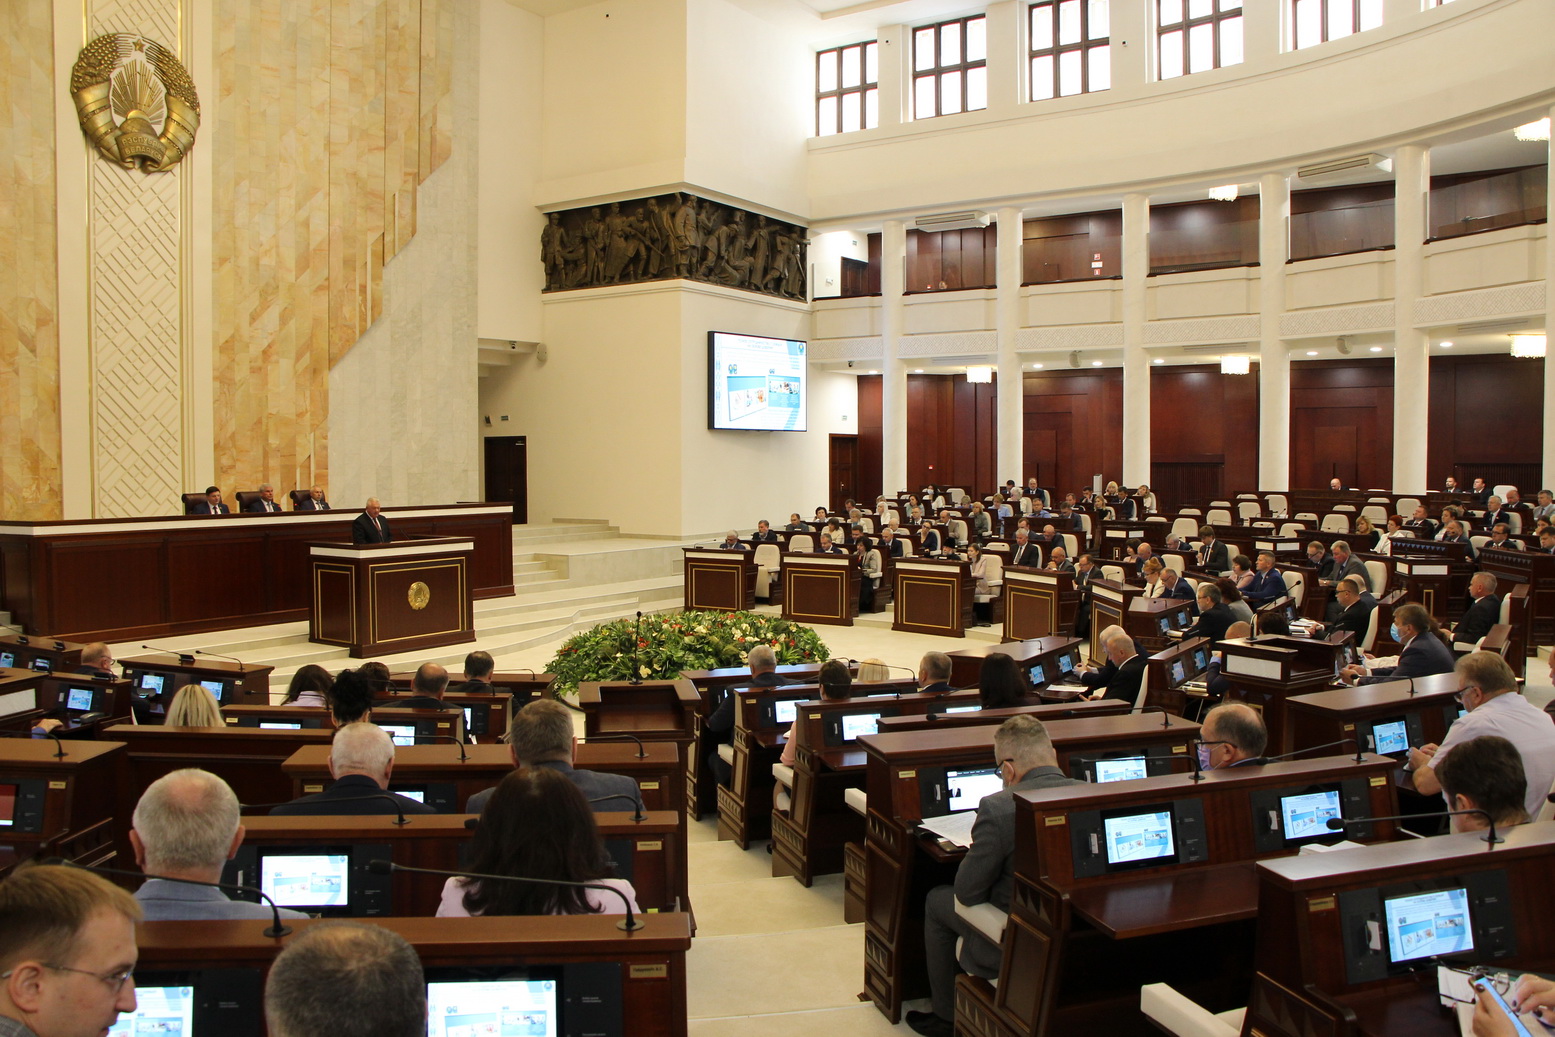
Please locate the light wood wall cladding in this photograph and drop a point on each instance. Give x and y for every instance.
(29, 299)
(331, 113)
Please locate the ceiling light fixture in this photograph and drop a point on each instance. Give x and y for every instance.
(1376, 349)
(1236, 365)
(1095, 363)
(1446, 345)
(1311, 352)
(1158, 360)
(1223, 194)
(1538, 130)
(979, 374)
(917, 370)
(1527, 346)
(1036, 367)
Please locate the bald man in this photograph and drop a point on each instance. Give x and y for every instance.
(370, 527)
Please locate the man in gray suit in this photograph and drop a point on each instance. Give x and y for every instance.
(186, 827)
(1026, 761)
(542, 736)
(1345, 565)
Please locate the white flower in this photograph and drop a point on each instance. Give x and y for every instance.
(642, 671)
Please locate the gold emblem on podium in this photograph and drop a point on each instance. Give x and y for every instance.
(136, 102)
(418, 595)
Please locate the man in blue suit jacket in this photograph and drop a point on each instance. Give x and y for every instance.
(265, 502)
(1267, 583)
(1177, 587)
(212, 504)
(1424, 653)
(314, 501)
(542, 736)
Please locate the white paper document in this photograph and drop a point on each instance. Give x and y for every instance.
(956, 828)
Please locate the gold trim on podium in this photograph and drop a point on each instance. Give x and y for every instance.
(373, 571)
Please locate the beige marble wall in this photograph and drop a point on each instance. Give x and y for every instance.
(332, 113)
(29, 334)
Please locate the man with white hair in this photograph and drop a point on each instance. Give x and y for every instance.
(186, 826)
(360, 760)
(265, 502)
(762, 661)
(1125, 669)
(370, 527)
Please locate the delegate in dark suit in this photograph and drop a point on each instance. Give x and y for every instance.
(1351, 567)
(721, 723)
(1422, 656)
(351, 794)
(368, 529)
(1355, 618)
(1030, 554)
(1125, 680)
(309, 504)
(260, 506)
(1266, 586)
(986, 876)
(1214, 557)
(1212, 623)
(594, 785)
(206, 508)
(1082, 612)
(1477, 621)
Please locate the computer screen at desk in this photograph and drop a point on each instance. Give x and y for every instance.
(441, 796)
(1122, 839)
(841, 727)
(1178, 673)
(1127, 763)
(1038, 674)
(319, 879)
(1287, 818)
(1390, 930)
(785, 710)
(78, 700)
(1392, 736)
(403, 734)
(7, 659)
(581, 998)
(42, 665)
(189, 1003)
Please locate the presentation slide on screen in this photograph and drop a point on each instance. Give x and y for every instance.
(498, 1008)
(859, 724)
(757, 383)
(785, 710)
(1129, 768)
(306, 880)
(1391, 737)
(1140, 837)
(965, 789)
(1307, 816)
(403, 734)
(1428, 925)
(79, 699)
(164, 1011)
(7, 659)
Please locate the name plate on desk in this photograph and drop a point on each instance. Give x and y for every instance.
(1249, 666)
(1422, 568)
(839, 561)
(1277, 545)
(715, 554)
(1107, 594)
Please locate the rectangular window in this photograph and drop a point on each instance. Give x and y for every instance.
(950, 67)
(1071, 49)
(1197, 35)
(1318, 21)
(847, 89)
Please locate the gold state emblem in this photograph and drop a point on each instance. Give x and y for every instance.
(136, 102)
(418, 595)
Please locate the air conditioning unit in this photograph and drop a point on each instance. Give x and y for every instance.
(1352, 164)
(972, 219)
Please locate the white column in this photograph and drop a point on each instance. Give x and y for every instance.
(1273, 357)
(893, 372)
(1005, 40)
(1136, 363)
(1132, 61)
(1549, 326)
(1011, 383)
(895, 55)
(1411, 347)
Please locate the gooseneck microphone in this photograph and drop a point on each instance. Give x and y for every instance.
(641, 752)
(184, 658)
(637, 631)
(463, 756)
(1336, 824)
(276, 930)
(630, 924)
(1166, 718)
(1360, 757)
(637, 805)
(229, 658)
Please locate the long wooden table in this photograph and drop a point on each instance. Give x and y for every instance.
(183, 574)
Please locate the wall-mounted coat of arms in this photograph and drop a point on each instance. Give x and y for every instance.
(136, 102)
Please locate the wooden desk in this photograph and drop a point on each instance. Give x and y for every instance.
(1110, 604)
(56, 795)
(488, 714)
(933, 596)
(1045, 712)
(1038, 603)
(19, 698)
(719, 580)
(1183, 921)
(655, 709)
(248, 759)
(900, 868)
(429, 724)
(1327, 716)
(522, 689)
(1537, 570)
(654, 851)
(637, 980)
(179, 575)
(966, 664)
(820, 588)
(404, 596)
(241, 684)
(1264, 672)
(22, 652)
(73, 700)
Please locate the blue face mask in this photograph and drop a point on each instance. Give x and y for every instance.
(1203, 753)
(1394, 634)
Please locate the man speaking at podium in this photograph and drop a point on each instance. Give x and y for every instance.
(370, 527)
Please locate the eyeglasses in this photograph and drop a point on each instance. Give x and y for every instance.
(114, 981)
(1208, 743)
(1464, 691)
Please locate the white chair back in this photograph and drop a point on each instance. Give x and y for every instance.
(1071, 545)
(1189, 511)
(1185, 528)
(1220, 504)
(1334, 522)
(801, 543)
(1278, 504)
(1515, 521)
(1306, 516)
(1377, 516)
(1176, 562)
(1157, 518)
(1345, 507)
(938, 502)
(1500, 489)
(957, 495)
(1112, 572)
(1000, 546)
(868, 522)
(1371, 631)
(1291, 529)
(1295, 586)
(1407, 505)
(1248, 509)
(1218, 517)
(768, 555)
(908, 546)
(1377, 574)
(958, 531)
(1085, 524)
(993, 575)
(1025, 505)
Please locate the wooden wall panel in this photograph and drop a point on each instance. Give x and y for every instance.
(1200, 443)
(951, 438)
(1475, 400)
(869, 438)
(1332, 405)
(1072, 427)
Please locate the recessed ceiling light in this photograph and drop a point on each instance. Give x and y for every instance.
(1376, 349)
(1446, 345)
(917, 370)
(1533, 131)
(1095, 363)
(1036, 367)
(1158, 360)
(1311, 352)
(874, 372)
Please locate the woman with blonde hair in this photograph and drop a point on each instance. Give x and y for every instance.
(873, 671)
(194, 706)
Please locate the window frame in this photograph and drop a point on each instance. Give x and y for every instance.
(1323, 35)
(939, 70)
(1185, 27)
(1084, 47)
(866, 85)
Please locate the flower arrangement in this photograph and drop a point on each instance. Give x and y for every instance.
(670, 643)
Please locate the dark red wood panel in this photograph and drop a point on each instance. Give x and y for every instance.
(1083, 409)
(1334, 395)
(1472, 398)
(1203, 432)
(870, 438)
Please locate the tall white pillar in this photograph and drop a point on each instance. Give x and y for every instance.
(1136, 363)
(1549, 307)
(1411, 347)
(1273, 357)
(893, 372)
(893, 53)
(1011, 383)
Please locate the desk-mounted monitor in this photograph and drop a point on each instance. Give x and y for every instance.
(442, 796)
(842, 728)
(1200, 660)
(1164, 623)
(77, 698)
(330, 880)
(1128, 763)
(1391, 736)
(220, 690)
(42, 664)
(7, 659)
(304, 720)
(535, 1001)
(1038, 674)
(1288, 818)
(756, 383)
(187, 1003)
(1390, 930)
(1130, 838)
(1176, 673)
(953, 789)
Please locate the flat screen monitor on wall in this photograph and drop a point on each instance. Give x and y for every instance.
(755, 383)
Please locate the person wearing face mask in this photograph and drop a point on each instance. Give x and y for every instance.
(1424, 653)
(1232, 735)
(1027, 761)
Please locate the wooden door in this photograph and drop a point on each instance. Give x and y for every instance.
(844, 470)
(507, 473)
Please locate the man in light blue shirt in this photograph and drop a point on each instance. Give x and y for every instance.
(186, 827)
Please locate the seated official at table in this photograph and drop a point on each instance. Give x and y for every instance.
(1266, 584)
(1212, 555)
(212, 504)
(1143, 553)
(1355, 607)
(1215, 617)
(430, 684)
(1484, 773)
(836, 686)
(361, 761)
(537, 824)
(827, 547)
(1125, 670)
(980, 522)
(314, 501)
(1232, 735)
(193, 706)
(265, 502)
(351, 697)
(1424, 653)
(542, 738)
(1484, 613)
(1501, 538)
(338, 978)
(1058, 561)
(1025, 553)
(794, 525)
(187, 826)
(96, 660)
(999, 683)
(1496, 707)
(869, 572)
(477, 672)
(370, 527)
(890, 543)
(1345, 566)
(309, 687)
(934, 673)
(1318, 558)
(1232, 596)
(763, 667)
(51, 914)
(764, 533)
(1177, 588)
(1027, 762)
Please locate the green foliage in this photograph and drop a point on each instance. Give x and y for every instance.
(674, 642)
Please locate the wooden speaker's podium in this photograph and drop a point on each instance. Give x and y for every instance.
(399, 597)
(820, 588)
(934, 596)
(720, 580)
(1038, 603)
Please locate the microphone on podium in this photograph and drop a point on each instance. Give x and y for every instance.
(463, 756)
(1166, 718)
(1336, 824)
(641, 752)
(218, 655)
(637, 805)
(630, 924)
(1360, 757)
(184, 658)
